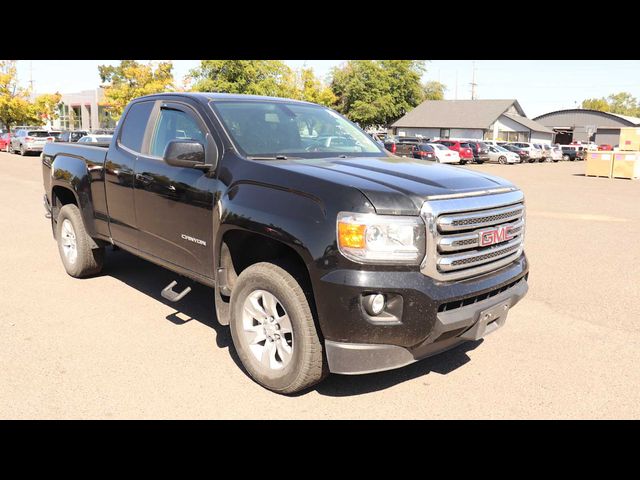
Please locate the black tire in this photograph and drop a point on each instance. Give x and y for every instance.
(566, 157)
(307, 365)
(88, 261)
(463, 162)
(22, 152)
(502, 159)
(479, 162)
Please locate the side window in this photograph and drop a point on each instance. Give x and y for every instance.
(174, 125)
(135, 124)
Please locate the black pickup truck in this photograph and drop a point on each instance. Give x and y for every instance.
(325, 252)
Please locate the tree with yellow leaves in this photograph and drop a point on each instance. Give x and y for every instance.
(131, 79)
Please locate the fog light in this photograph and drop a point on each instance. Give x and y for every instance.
(374, 304)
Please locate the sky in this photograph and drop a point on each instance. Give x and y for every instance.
(540, 86)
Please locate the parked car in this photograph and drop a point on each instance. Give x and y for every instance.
(605, 147)
(403, 146)
(480, 150)
(424, 151)
(444, 154)
(533, 152)
(546, 151)
(572, 152)
(28, 141)
(5, 139)
(71, 136)
(502, 155)
(556, 152)
(466, 154)
(522, 153)
(102, 139)
(316, 263)
(55, 134)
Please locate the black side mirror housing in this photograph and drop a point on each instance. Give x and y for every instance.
(185, 153)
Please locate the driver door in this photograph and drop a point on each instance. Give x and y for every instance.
(174, 205)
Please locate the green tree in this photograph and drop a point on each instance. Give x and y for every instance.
(46, 106)
(377, 92)
(15, 107)
(622, 103)
(254, 77)
(310, 89)
(433, 91)
(131, 79)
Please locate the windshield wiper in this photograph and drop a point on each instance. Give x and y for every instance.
(275, 157)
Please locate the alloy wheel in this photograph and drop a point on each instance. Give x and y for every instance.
(267, 329)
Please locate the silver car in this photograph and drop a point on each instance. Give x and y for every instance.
(26, 141)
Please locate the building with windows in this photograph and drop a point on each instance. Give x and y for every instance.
(82, 111)
(472, 119)
(582, 125)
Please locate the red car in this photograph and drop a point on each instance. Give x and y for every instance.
(466, 154)
(605, 147)
(5, 138)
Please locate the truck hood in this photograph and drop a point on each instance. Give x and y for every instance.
(394, 185)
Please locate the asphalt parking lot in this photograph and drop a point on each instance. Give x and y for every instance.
(111, 347)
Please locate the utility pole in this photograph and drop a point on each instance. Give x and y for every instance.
(456, 96)
(473, 81)
(31, 78)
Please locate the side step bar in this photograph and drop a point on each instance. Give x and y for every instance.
(169, 294)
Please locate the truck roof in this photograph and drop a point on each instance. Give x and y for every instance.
(213, 96)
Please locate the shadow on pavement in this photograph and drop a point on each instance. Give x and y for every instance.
(150, 279)
(351, 385)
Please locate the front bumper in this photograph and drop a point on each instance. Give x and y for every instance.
(423, 306)
(451, 329)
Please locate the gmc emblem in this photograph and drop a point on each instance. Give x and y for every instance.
(495, 235)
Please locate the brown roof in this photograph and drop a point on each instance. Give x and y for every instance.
(456, 113)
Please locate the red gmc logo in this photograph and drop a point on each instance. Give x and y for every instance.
(495, 235)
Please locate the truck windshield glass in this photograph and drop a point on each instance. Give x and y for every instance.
(270, 129)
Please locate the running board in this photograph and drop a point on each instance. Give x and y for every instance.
(169, 294)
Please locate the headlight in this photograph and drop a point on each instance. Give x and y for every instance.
(381, 239)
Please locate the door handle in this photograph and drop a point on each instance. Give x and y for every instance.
(144, 179)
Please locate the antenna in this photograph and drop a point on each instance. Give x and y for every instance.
(473, 81)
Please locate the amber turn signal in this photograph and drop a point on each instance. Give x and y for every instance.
(351, 235)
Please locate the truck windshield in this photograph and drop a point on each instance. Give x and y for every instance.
(271, 129)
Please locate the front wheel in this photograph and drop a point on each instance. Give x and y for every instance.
(566, 158)
(463, 162)
(22, 152)
(273, 330)
(74, 245)
(502, 160)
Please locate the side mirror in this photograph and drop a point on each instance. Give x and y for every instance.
(185, 153)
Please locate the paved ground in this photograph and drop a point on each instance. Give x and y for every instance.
(111, 347)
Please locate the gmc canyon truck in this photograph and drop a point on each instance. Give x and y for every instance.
(325, 252)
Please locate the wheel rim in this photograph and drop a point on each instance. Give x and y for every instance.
(266, 327)
(502, 160)
(68, 239)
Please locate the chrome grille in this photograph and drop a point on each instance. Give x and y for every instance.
(453, 234)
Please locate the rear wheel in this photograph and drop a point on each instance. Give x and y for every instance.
(273, 330)
(463, 162)
(74, 245)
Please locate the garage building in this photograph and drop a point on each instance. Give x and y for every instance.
(472, 119)
(582, 125)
